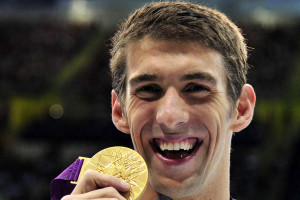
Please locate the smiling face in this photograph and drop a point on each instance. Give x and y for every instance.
(178, 114)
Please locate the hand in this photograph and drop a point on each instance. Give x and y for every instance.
(94, 185)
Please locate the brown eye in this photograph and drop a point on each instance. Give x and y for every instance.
(196, 88)
(149, 92)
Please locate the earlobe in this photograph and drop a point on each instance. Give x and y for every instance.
(118, 118)
(244, 109)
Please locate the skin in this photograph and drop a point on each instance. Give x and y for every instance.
(163, 102)
(177, 91)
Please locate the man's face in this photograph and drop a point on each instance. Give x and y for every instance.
(178, 113)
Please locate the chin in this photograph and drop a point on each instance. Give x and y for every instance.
(176, 189)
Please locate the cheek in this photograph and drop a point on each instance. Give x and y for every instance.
(139, 115)
(218, 134)
(219, 111)
(214, 117)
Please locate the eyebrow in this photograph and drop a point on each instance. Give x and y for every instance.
(142, 78)
(203, 76)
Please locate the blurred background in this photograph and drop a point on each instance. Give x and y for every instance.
(55, 92)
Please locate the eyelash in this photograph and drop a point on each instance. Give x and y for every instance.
(195, 87)
(149, 88)
(153, 92)
(149, 92)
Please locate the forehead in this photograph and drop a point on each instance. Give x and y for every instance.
(150, 56)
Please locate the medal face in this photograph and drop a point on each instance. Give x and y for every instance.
(125, 164)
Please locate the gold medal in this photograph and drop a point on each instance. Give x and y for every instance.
(123, 163)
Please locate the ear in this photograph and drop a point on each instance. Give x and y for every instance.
(244, 109)
(118, 118)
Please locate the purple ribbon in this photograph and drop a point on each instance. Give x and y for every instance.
(62, 185)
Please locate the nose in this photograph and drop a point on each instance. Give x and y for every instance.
(172, 111)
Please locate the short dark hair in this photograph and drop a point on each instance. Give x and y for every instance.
(182, 21)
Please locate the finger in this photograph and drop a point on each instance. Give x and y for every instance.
(104, 193)
(92, 180)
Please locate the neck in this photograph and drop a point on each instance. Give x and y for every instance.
(150, 193)
(218, 187)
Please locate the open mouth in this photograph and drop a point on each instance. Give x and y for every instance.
(176, 150)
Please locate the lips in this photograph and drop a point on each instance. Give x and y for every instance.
(174, 150)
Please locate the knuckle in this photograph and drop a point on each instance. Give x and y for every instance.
(89, 174)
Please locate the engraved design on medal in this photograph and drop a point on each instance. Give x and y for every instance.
(125, 164)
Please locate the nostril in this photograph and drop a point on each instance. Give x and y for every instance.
(173, 118)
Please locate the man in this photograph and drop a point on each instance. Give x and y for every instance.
(179, 89)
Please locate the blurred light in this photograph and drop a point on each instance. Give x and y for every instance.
(265, 17)
(80, 12)
(56, 111)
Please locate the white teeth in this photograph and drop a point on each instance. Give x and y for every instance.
(176, 146)
(185, 146)
(165, 146)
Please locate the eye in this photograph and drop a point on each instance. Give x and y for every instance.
(193, 87)
(196, 90)
(149, 92)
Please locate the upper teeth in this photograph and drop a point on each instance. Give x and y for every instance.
(176, 146)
